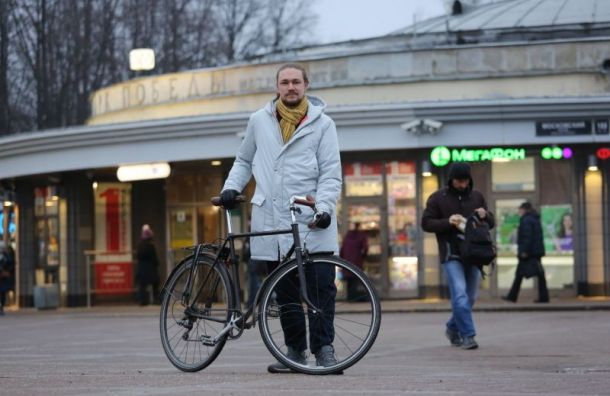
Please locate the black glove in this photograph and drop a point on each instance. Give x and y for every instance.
(227, 199)
(321, 220)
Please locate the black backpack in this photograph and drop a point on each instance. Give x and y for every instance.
(478, 247)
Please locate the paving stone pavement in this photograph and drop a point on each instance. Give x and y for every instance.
(116, 351)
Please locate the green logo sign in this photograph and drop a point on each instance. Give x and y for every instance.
(555, 152)
(441, 155)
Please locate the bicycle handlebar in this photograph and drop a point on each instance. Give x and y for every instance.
(239, 199)
(307, 200)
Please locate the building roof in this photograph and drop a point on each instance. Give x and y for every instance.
(518, 14)
(509, 21)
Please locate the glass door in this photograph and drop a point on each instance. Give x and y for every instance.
(190, 224)
(507, 225)
(181, 232)
(370, 218)
(402, 229)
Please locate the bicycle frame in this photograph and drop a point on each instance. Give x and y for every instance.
(239, 319)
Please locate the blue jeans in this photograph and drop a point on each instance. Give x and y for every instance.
(463, 283)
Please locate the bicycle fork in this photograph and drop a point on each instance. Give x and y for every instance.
(299, 256)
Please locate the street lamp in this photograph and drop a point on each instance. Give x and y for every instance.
(592, 163)
(426, 169)
(141, 59)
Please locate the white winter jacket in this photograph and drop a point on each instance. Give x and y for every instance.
(308, 164)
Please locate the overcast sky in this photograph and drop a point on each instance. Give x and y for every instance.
(353, 19)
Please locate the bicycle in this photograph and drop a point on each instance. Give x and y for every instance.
(201, 303)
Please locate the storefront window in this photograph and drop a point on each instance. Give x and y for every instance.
(191, 215)
(46, 211)
(513, 175)
(507, 226)
(402, 224)
(552, 200)
(557, 218)
(369, 218)
(381, 197)
(363, 179)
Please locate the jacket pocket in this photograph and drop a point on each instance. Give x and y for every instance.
(258, 199)
(257, 223)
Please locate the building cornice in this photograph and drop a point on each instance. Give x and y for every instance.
(203, 137)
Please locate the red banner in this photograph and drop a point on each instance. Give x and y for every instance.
(113, 278)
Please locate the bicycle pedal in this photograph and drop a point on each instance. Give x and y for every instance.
(207, 340)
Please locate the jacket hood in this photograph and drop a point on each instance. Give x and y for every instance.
(460, 171)
(316, 107)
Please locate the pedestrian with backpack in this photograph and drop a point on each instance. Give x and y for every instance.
(447, 214)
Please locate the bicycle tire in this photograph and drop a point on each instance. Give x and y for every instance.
(213, 299)
(355, 318)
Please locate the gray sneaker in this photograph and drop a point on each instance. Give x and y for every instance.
(295, 356)
(469, 343)
(325, 357)
(454, 337)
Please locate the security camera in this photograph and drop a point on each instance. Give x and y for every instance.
(412, 126)
(432, 126)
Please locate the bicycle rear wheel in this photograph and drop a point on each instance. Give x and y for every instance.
(348, 320)
(186, 332)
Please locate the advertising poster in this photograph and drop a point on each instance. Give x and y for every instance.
(403, 273)
(113, 261)
(557, 228)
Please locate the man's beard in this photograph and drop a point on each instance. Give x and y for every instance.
(292, 103)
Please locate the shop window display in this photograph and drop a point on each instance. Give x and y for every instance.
(513, 175)
(402, 224)
(381, 196)
(46, 210)
(552, 191)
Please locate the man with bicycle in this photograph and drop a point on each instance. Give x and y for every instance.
(291, 148)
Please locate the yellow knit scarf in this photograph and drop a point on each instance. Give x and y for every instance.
(290, 117)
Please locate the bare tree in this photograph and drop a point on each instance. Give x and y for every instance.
(5, 121)
(239, 28)
(55, 53)
(187, 35)
(65, 50)
(288, 24)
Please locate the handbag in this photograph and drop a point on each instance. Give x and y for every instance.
(529, 267)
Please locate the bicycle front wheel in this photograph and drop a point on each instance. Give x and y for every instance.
(348, 318)
(188, 331)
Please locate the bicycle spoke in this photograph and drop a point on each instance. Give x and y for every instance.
(183, 329)
(351, 331)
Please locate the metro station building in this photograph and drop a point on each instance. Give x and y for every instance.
(519, 89)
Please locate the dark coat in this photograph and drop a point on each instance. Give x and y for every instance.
(147, 270)
(355, 247)
(444, 203)
(7, 271)
(530, 240)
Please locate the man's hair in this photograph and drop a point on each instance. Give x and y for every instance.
(297, 66)
(527, 206)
